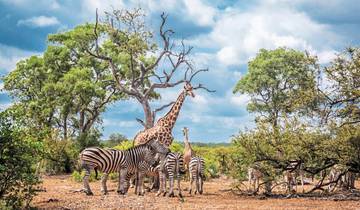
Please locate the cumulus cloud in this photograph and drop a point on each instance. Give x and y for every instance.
(199, 12)
(9, 56)
(26, 4)
(39, 21)
(238, 35)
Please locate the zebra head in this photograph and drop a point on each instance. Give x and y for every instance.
(158, 147)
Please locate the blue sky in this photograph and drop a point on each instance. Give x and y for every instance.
(225, 35)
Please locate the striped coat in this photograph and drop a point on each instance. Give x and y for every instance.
(172, 167)
(125, 162)
(196, 171)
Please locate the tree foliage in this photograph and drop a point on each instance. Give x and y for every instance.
(64, 89)
(343, 92)
(17, 158)
(289, 102)
(276, 79)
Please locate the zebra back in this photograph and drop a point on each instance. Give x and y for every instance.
(197, 167)
(174, 164)
(105, 160)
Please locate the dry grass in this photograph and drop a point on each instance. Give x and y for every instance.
(60, 194)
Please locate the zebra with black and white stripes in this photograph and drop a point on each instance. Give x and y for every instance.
(196, 171)
(148, 170)
(126, 162)
(172, 167)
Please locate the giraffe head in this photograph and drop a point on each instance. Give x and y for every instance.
(185, 130)
(188, 89)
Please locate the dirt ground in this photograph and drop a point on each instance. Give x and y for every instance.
(60, 193)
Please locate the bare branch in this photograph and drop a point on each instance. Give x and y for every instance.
(141, 122)
(164, 106)
(198, 71)
(201, 86)
(165, 37)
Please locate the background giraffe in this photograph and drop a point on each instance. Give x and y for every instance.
(162, 131)
(188, 151)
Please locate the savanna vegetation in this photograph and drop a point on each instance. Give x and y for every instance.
(307, 114)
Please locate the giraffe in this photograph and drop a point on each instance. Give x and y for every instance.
(163, 127)
(188, 152)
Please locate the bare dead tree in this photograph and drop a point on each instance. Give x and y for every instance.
(143, 79)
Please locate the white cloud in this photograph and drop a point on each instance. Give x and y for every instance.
(199, 12)
(9, 56)
(26, 4)
(39, 21)
(326, 56)
(238, 35)
(240, 100)
(120, 123)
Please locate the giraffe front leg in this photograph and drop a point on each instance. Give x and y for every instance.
(103, 183)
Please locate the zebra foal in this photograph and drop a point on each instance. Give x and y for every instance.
(196, 171)
(126, 162)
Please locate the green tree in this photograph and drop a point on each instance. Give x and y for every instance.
(64, 89)
(281, 83)
(127, 48)
(114, 139)
(343, 92)
(276, 81)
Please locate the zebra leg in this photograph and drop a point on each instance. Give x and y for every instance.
(122, 181)
(200, 185)
(86, 180)
(162, 184)
(191, 182)
(197, 184)
(179, 188)
(140, 183)
(302, 182)
(103, 183)
(171, 183)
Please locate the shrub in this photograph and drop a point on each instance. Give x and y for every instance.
(18, 154)
(78, 176)
(127, 144)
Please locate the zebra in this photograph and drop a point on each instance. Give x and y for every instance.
(196, 171)
(148, 170)
(291, 176)
(340, 176)
(171, 166)
(123, 161)
(254, 176)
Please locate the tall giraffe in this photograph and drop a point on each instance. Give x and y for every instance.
(188, 152)
(162, 131)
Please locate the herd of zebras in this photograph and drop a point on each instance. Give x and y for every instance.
(337, 177)
(151, 159)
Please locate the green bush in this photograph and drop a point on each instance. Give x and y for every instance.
(59, 156)
(78, 176)
(18, 155)
(127, 144)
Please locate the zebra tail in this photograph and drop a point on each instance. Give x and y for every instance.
(96, 173)
(177, 167)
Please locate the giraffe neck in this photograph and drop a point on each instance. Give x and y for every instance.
(170, 118)
(186, 141)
